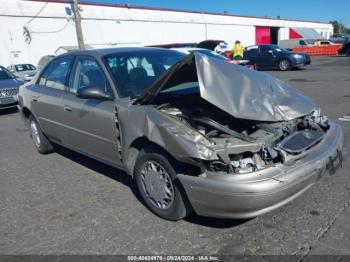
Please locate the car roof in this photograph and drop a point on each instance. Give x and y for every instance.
(188, 49)
(107, 51)
(22, 64)
(252, 46)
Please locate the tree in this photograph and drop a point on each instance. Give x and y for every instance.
(339, 28)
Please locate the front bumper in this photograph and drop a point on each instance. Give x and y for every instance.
(8, 102)
(300, 62)
(249, 195)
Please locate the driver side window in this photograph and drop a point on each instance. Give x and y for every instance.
(265, 49)
(88, 74)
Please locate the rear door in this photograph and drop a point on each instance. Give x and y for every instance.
(90, 123)
(46, 96)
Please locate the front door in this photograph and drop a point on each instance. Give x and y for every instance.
(90, 123)
(267, 57)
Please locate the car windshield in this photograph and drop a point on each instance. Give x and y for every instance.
(24, 67)
(133, 72)
(4, 74)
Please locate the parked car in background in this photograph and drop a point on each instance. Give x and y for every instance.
(338, 38)
(208, 52)
(43, 61)
(345, 49)
(275, 57)
(323, 43)
(291, 43)
(194, 132)
(175, 45)
(189, 50)
(9, 86)
(23, 71)
(213, 45)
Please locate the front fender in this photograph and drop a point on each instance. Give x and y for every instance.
(153, 126)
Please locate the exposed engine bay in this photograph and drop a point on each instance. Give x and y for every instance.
(244, 146)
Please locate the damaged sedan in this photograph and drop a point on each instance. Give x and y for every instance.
(196, 133)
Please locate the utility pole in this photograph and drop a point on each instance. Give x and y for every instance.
(77, 19)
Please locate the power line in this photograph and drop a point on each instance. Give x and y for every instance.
(52, 32)
(38, 13)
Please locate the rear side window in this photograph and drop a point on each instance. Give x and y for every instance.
(265, 49)
(55, 75)
(252, 50)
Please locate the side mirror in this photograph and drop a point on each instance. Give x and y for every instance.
(92, 92)
(270, 52)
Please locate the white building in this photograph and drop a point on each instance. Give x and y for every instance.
(50, 27)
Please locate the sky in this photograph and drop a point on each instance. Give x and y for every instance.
(312, 10)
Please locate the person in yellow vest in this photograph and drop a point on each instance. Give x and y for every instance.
(318, 43)
(238, 50)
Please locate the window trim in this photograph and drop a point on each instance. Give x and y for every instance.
(73, 72)
(47, 67)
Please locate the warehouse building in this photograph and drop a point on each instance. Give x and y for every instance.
(33, 28)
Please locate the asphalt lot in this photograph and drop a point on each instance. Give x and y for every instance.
(65, 203)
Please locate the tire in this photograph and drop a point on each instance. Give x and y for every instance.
(176, 206)
(284, 64)
(42, 144)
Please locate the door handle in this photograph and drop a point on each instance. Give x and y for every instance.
(67, 109)
(34, 99)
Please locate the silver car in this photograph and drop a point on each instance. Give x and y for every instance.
(9, 86)
(195, 132)
(25, 72)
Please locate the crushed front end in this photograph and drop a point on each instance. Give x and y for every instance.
(257, 142)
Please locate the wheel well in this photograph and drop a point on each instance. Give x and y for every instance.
(26, 115)
(143, 143)
(285, 58)
(133, 151)
(26, 112)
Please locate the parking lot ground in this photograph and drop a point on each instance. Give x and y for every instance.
(65, 203)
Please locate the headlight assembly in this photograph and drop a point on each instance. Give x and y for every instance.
(201, 143)
(298, 56)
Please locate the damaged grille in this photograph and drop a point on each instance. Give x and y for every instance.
(301, 141)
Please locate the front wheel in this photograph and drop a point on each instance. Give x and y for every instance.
(42, 144)
(156, 181)
(284, 65)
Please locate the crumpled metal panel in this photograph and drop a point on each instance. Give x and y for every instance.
(144, 121)
(248, 94)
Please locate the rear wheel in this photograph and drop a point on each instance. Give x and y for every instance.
(42, 144)
(284, 65)
(156, 181)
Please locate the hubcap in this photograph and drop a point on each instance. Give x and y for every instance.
(157, 185)
(35, 133)
(284, 65)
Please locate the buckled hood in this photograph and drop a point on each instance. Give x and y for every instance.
(237, 90)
